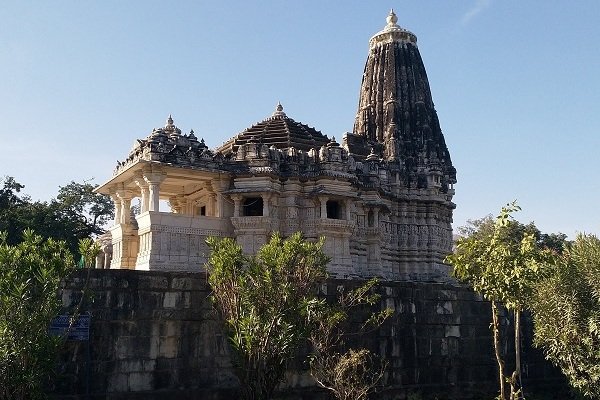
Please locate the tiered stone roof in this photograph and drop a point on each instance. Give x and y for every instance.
(279, 131)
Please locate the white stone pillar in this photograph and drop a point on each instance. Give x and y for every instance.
(154, 203)
(117, 203)
(107, 260)
(154, 180)
(266, 209)
(143, 194)
(323, 200)
(211, 205)
(237, 202)
(218, 186)
(100, 260)
(125, 197)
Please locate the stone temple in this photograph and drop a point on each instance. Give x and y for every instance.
(382, 196)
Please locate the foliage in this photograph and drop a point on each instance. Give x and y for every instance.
(91, 210)
(30, 275)
(483, 227)
(349, 374)
(502, 261)
(265, 300)
(566, 309)
(76, 213)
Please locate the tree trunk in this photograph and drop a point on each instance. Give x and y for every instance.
(518, 383)
(496, 329)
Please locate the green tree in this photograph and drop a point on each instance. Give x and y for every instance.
(91, 210)
(76, 213)
(566, 311)
(502, 262)
(265, 300)
(30, 275)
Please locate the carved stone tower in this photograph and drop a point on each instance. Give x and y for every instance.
(397, 132)
(396, 114)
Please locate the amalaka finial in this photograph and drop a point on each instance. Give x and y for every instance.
(391, 19)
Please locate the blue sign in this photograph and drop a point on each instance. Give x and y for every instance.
(80, 328)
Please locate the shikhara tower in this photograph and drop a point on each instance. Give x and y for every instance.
(382, 198)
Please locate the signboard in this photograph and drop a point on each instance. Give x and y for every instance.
(80, 330)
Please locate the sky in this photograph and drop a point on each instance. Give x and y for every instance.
(516, 85)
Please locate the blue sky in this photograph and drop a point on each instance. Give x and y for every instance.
(516, 85)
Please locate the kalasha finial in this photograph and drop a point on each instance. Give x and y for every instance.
(392, 19)
(279, 110)
(170, 120)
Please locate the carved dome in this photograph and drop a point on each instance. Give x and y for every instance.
(279, 131)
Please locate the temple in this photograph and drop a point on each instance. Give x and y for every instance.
(382, 197)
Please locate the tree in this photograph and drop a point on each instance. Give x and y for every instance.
(502, 261)
(566, 312)
(349, 374)
(265, 300)
(76, 213)
(30, 274)
(91, 210)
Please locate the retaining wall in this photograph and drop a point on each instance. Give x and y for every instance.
(155, 335)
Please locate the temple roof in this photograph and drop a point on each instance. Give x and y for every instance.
(396, 115)
(279, 131)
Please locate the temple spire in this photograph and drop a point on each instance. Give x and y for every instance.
(395, 113)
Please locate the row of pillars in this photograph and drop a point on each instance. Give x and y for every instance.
(149, 185)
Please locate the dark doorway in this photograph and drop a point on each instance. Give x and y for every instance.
(333, 209)
(253, 207)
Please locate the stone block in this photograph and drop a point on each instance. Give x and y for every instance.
(125, 300)
(127, 366)
(452, 331)
(163, 363)
(186, 300)
(444, 307)
(140, 381)
(431, 331)
(123, 347)
(148, 365)
(182, 283)
(171, 299)
(150, 300)
(170, 328)
(153, 282)
(168, 347)
(117, 383)
(153, 347)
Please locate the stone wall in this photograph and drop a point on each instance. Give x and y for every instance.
(155, 335)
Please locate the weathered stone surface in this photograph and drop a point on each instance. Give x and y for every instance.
(182, 353)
